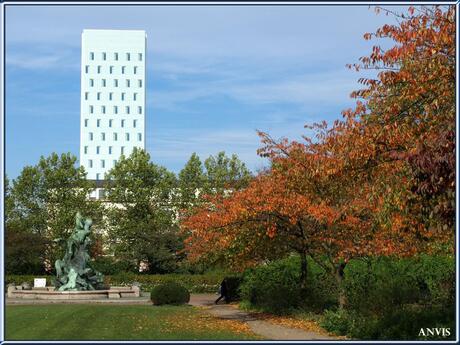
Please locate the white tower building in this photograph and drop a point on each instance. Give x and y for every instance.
(112, 97)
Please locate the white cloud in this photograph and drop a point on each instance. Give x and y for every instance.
(178, 145)
(30, 62)
(268, 32)
(309, 90)
(305, 91)
(173, 145)
(38, 58)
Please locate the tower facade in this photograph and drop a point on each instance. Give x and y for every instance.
(112, 112)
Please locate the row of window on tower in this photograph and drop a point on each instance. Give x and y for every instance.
(102, 163)
(110, 123)
(116, 56)
(111, 69)
(115, 109)
(110, 150)
(111, 96)
(115, 83)
(115, 136)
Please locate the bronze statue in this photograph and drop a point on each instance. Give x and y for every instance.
(72, 273)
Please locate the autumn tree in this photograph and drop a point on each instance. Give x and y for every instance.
(378, 182)
(296, 206)
(409, 109)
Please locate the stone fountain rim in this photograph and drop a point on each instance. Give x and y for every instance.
(49, 292)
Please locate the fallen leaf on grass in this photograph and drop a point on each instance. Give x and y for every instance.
(206, 322)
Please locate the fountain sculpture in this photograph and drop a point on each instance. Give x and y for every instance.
(74, 278)
(72, 272)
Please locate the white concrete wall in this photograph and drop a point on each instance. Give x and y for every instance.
(95, 69)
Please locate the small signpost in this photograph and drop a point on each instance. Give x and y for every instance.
(39, 282)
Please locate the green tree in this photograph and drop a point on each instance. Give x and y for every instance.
(191, 182)
(224, 173)
(44, 199)
(142, 215)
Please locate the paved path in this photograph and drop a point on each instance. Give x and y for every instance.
(263, 328)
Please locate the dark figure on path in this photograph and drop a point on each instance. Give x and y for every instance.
(223, 292)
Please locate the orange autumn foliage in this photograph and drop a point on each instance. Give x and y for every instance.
(366, 185)
(408, 112)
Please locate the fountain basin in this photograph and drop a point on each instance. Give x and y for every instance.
(49, 293)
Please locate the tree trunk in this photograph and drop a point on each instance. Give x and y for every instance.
(339, 274)
(303, 270)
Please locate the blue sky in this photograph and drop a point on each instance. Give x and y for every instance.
(215, 75)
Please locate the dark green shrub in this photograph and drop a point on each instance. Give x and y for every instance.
(405, 323)
(399, 324)
(392, 299)
(233, 287)
(336, 321)
(379, 285)
(195, 283)
(321, 292)
(274, 287)
(438, 276)
(19, 279)
(375, 285)
(169, 293)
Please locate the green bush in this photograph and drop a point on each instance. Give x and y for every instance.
(399, 324)
(386, 297)
(392, 299)
(233, 287)
(378, 285)
(321, 292)
(169, 293)
(405, 323)
(19, 279)
(438, 276)
(336, 321)
(275, 287)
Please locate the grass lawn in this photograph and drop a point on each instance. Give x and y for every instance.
(118, 322)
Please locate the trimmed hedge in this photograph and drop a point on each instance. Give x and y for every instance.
(169, 293)
(195, 283)
(199, 283)
(19, 279)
